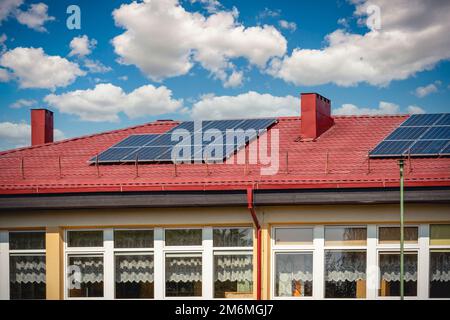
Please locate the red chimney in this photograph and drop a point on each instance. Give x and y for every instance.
(41, 126)
(316, 115)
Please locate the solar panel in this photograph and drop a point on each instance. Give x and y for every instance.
(198, 144)
(446, 150)
(419, 135)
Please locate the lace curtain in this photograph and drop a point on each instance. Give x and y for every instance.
(291, 268)
(27, 269)
(345, 266)
(85, 270)
(440, 266)
(390, 267)
(134, 268)
(233, 268)
(184, 269)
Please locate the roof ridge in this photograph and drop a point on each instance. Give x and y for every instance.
(153, 123)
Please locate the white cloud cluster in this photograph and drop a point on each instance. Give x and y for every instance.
(210, 5)
(23, 103)
(428, 89)
(95, 66)
(35, 17)
(15, 135)
(81, 46)
(106, 101)
(164, 40)
(383, 108)
(247, 105)
(291, 26)
(413, 37)
(33, 68)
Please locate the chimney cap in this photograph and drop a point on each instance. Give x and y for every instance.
(318, 95)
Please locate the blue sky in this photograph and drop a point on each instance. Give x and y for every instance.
(216, 59)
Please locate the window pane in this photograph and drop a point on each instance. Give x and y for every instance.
(134, 276)
(27, 276)
(233, 276)
(440, 234)
(184, 237)
(390, 274)
(233, 237)
(392, 235)
(293, 236)
(440, 274)
(348, 236)
(345, 274)
(133, 239)
(293, 274)
(183, 275)
(85, 238)
(26, 240)
(85, 276)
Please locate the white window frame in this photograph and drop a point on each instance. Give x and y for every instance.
(296, 248)
(232, 251)
(5, 254)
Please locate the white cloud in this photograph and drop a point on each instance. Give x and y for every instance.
(413, 37)
(33, 68)
(81, 46)
(106, 101)
(23, 103)
(15, 135)
(123, 78)
(383, 108)
(234, 80)
(211, 6)
(5, 76)
(8, 7)
(415, 110)
(3, 38)
(426, 90)
(268, 13)
(246, 105)
(291, 26)
(164, 40)
(35, 17)
(95, 66)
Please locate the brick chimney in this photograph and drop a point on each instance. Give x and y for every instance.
(41, 126)
(316, 115)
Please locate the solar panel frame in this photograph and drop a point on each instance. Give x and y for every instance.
(391, 148)
(426, 147)
(425, 120)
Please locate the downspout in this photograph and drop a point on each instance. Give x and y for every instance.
(252, 210)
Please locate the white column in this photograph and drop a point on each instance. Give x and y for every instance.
(372, 267)
(423, 262)
(158, 260)
(109, 264)
(4, 265)
(207, 264)
(318, 263)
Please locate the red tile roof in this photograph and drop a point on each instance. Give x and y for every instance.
(63, 167)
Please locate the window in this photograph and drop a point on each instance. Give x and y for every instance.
(134, 264)
(389, 264)
(440, 261)
(85, 238)
(293, 274)
(391, 235)
(27, 265)
(85, 264)
(348, 236)
(293, 236)
(345, 274)
(183, 274)
(233, 262)
(183, 237)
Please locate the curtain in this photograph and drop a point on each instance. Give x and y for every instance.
(390, 267)
(85, 270)
(183, 237)
(133, 239)
(134, 268)
(440, 266)
(27, 269)
(234, 237)
(291, 268)
(233, 268)
(345, 266)
(85, 238)
(26, 240)
(184, 269)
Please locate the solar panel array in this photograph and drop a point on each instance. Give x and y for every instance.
(419, 135)
(171, 146)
